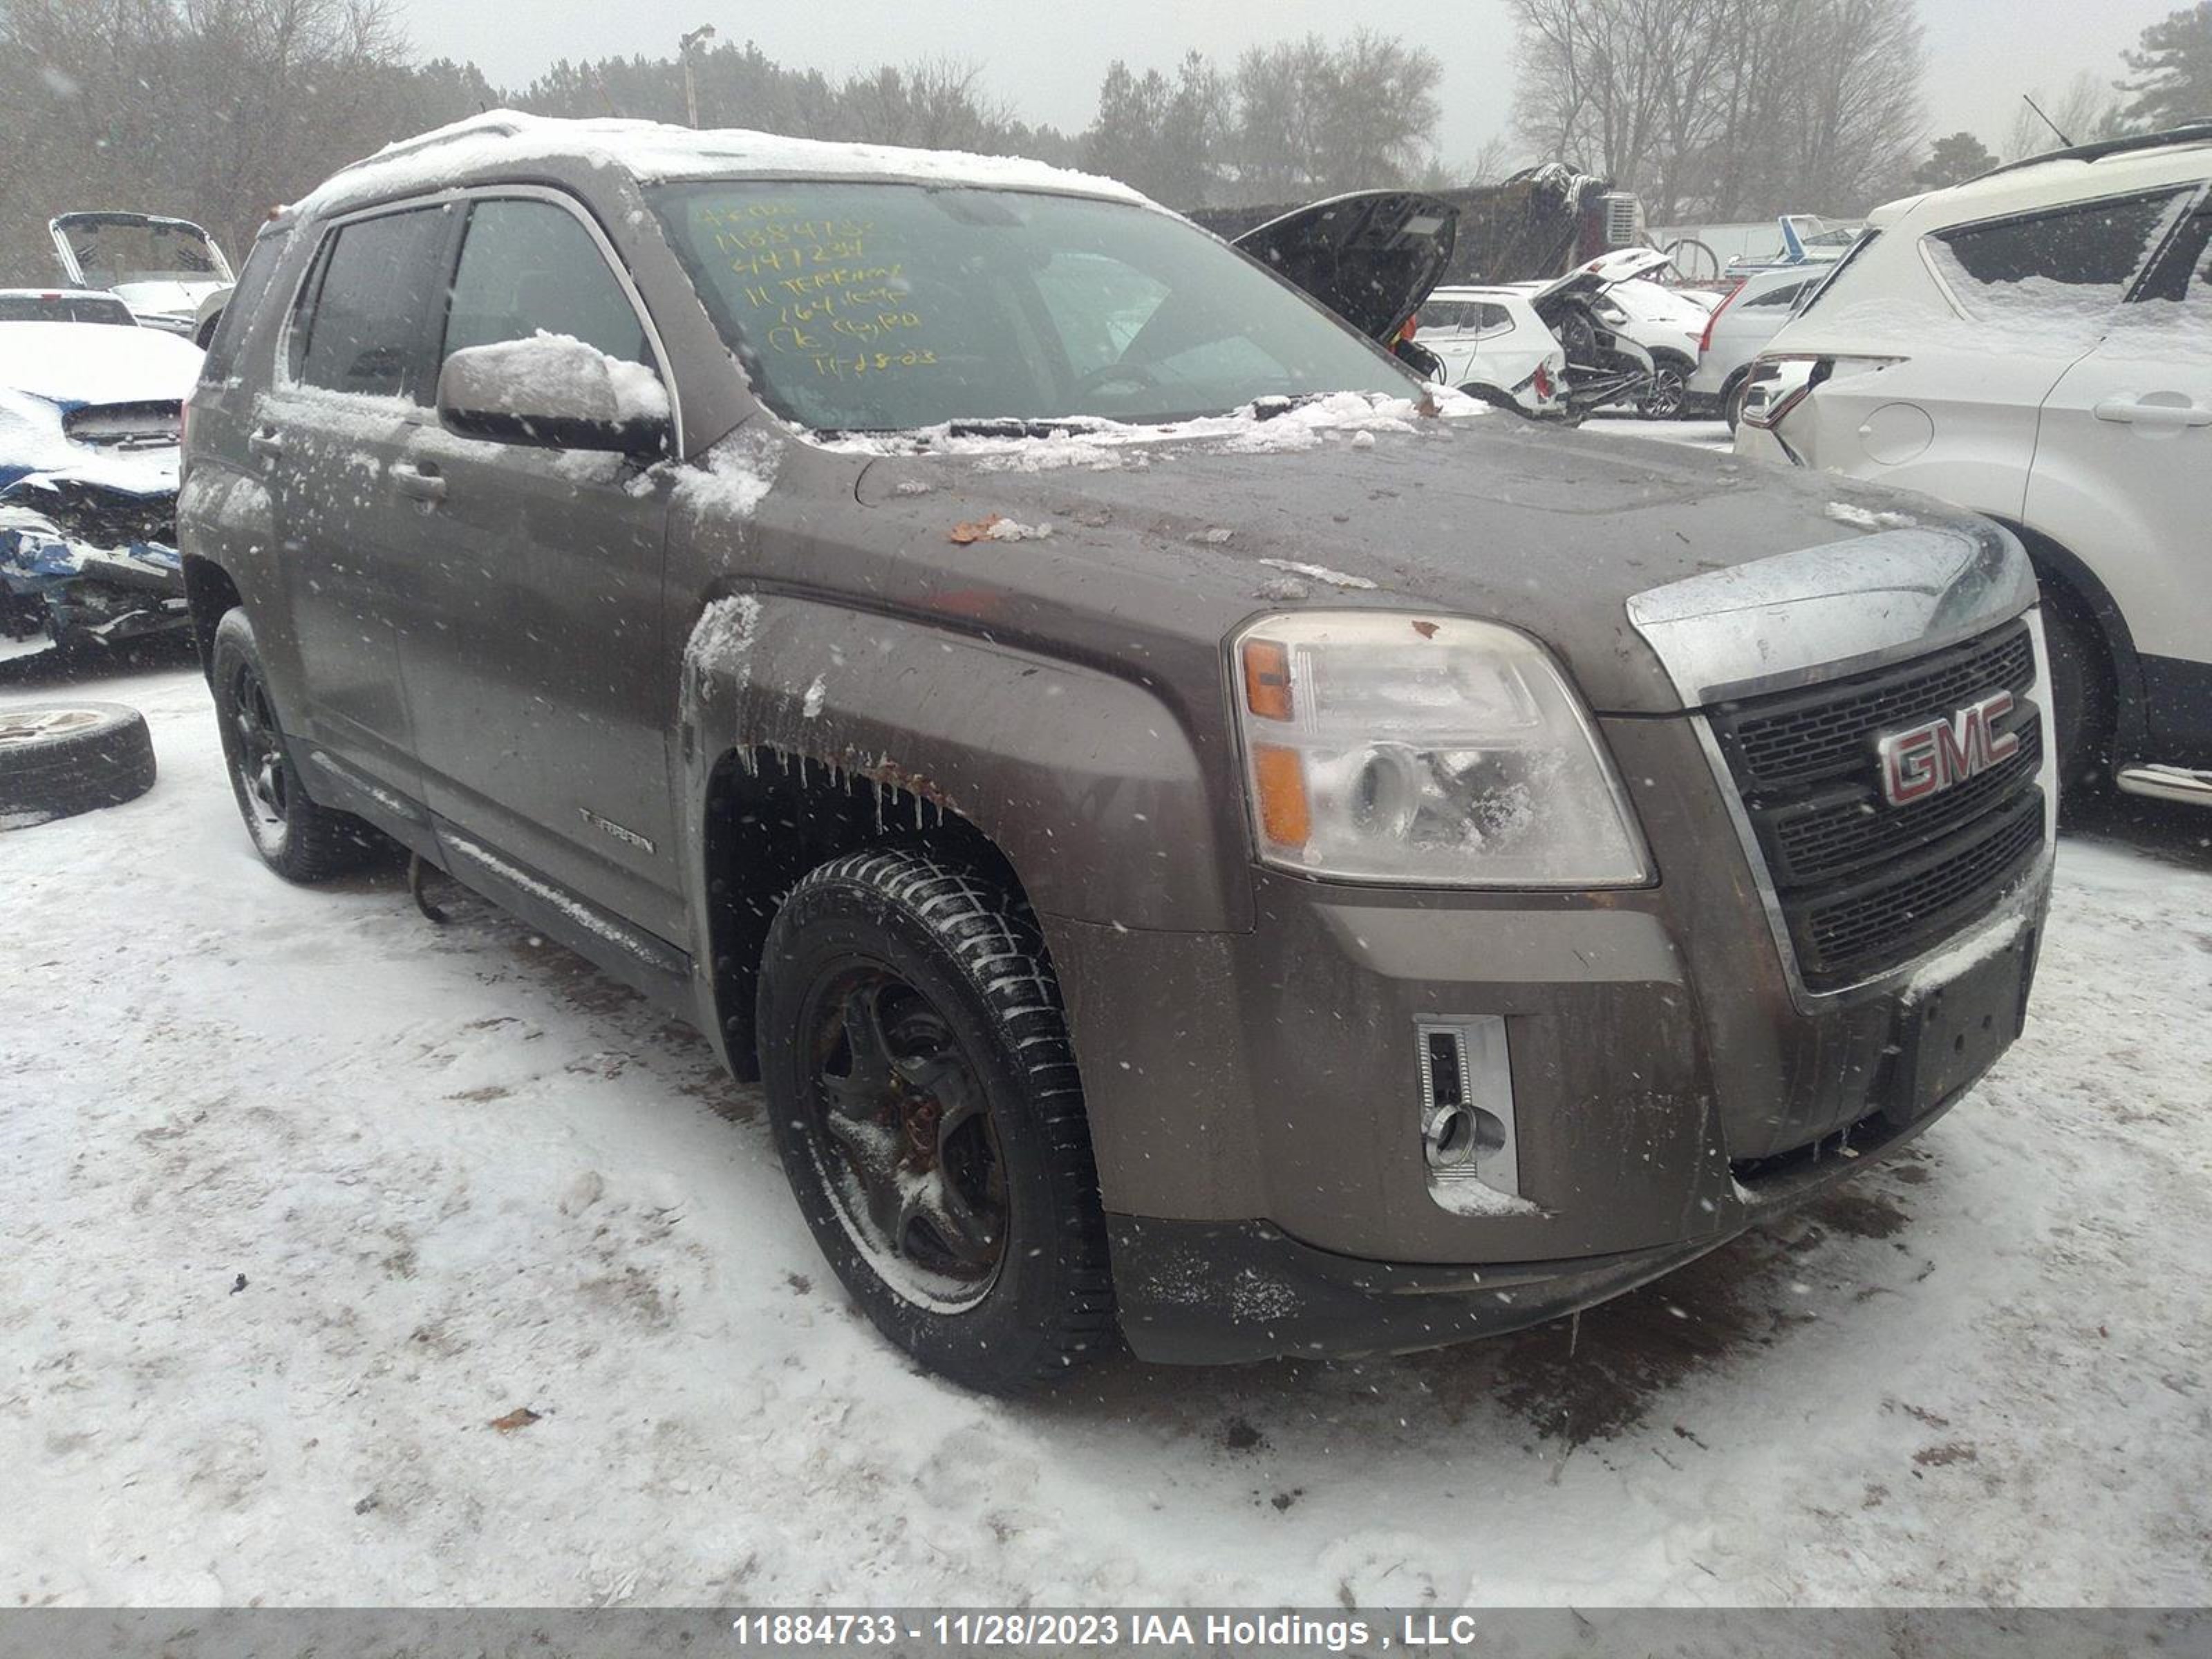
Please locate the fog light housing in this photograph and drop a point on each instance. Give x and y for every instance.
(1467, 1124)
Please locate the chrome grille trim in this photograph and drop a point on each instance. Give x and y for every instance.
(2024, 896)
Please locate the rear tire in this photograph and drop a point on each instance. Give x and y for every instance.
(925, 1101)
(299, 840)
(58, 760)
(1732, 401)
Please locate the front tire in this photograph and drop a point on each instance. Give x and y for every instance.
(299, 840)
(2081, 700)
(925, 1101)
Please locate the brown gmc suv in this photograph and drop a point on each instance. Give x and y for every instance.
(1207, 843)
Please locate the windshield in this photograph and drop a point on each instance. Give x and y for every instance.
(121, 251)
(885, 307)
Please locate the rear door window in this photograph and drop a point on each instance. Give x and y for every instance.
(366, 315)
(530, 267)
(2075, 262)
(261, 262)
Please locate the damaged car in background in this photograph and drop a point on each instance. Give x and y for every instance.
(90, 422)
(169, 271)
(1375, 258)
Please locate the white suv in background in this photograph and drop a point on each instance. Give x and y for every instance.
(1753, 312)
(2037, 344)
(1494, 346)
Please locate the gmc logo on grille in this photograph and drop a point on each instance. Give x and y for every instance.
(1926, 760)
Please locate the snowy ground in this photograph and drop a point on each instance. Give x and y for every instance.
(306, 1192)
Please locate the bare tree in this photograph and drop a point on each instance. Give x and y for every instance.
(1314, 118)
(1725, 107)
(214, 109)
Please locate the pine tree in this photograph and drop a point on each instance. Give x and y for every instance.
(2170, 78)
(1953, 161)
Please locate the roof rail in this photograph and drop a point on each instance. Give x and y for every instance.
(2197, 130)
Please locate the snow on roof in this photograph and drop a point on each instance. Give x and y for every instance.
(2050, 181)
(654, 151)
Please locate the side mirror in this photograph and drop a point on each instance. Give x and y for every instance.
(554, 392)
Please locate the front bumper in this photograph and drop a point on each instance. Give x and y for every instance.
(68, 589)
(1208, 1293)
(1254, 1099)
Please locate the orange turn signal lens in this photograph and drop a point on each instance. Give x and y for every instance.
(1284, 818)
(1268, 679)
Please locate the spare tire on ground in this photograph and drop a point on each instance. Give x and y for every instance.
(57, 759)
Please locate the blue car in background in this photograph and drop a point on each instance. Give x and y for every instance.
(91, 405)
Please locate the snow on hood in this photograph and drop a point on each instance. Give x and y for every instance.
(73, 364)
(652, 150)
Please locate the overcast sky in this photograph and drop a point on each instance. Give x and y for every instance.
(1046, 56)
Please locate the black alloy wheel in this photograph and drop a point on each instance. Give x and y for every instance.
(902, 1132)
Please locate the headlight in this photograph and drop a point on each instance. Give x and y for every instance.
(1384, 747)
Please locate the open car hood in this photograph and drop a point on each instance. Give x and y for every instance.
(1618, 266)
(118, 251)
(1371, 257)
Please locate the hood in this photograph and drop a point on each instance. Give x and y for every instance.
(74, 364)
(119, 251)
(1550, 531)
(1618, 266)
(1371, 257)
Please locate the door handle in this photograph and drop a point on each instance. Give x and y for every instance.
(266, 444)
(422, 484)
(2149, 411)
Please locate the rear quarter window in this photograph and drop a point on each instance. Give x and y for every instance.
(2077, 261)
(1782, 297)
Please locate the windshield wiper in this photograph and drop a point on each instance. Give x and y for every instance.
(1009, 426)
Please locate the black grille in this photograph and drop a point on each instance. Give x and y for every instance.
(1865, 885)
(1819, 733)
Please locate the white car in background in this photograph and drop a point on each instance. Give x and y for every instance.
(1668, 323)
(63, 305)
(2037, 344)
(1751, 315)
(1494, 346)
